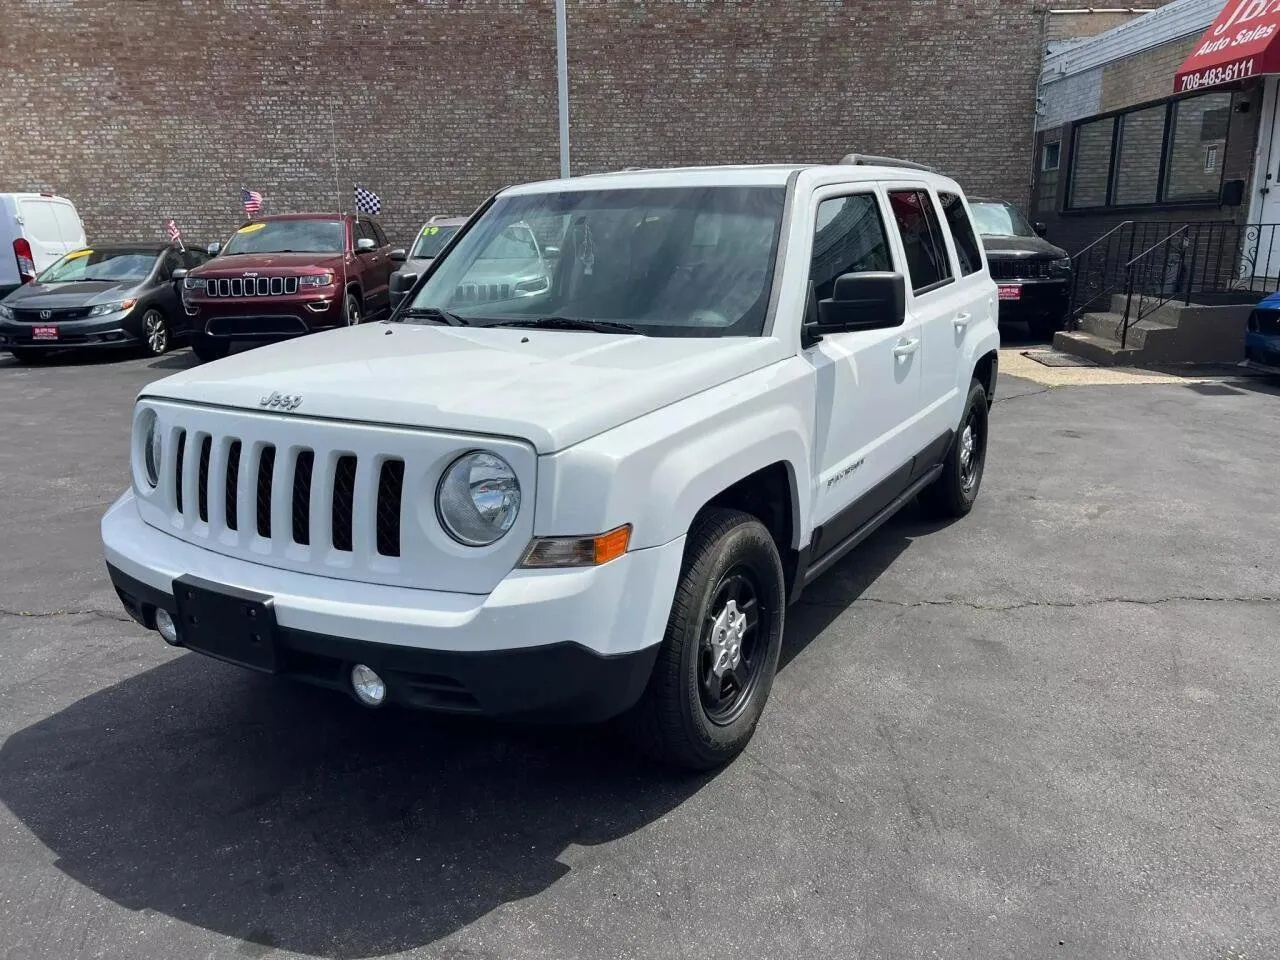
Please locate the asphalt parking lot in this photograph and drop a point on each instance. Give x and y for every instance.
(1049, 730)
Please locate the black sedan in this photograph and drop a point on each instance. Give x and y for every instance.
(111, 296)
(1033, 275)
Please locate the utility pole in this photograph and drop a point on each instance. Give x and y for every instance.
(562, 84)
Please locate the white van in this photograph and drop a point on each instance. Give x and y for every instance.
(35, 230)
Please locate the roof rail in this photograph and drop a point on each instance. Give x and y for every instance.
(867, 160)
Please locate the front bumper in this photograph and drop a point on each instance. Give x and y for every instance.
(1262, 351)
(265, 319)
(1037, 299)
(552, 644)
(110, 330)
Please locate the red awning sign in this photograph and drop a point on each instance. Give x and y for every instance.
(1243, 42)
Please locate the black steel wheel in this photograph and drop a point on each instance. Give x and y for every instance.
(955, 490)
(720, 651)
(730, 654)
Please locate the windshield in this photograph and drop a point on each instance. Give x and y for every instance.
(1000, 220)
(117, 266)
(431, 241)
(689, 261)
(287, 236)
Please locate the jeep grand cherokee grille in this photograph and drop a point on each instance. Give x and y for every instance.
(1018, 269)
(250, 286)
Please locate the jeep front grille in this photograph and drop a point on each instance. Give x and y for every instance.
(1019, 268)
(268, 472)
(250, 286)
(482, 292)
(344, 500)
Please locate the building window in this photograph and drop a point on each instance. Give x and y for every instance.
(1091, 163)
(1049, 158)
(1139, 145)
(1199, 137)
(1166, 154)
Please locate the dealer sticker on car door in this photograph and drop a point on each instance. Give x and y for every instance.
(44, 333)
(1010, 291)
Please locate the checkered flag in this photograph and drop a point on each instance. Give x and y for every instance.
(368, 202)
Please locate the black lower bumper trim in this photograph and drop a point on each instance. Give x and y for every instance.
(559, 682)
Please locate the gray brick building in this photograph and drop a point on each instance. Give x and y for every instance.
(147, 109)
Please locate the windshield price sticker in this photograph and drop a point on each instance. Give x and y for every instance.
(430, 231)
(251, 227)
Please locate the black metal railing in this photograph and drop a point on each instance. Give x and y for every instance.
(1154, 263)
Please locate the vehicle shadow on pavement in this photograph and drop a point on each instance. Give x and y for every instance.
(290, 818)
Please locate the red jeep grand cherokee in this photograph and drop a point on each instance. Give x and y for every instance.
(280, 277)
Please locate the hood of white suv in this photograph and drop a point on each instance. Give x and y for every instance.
(552, 388)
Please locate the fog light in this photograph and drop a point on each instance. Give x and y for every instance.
(168, 629)
(369, 687)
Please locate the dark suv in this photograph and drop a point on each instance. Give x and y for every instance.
(1034, 276)
(280, 277)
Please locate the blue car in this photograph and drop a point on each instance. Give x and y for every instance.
(1262, 339)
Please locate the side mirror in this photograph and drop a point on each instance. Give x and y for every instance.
(399, 255)
(551, 251)
(365, 245)
(178, 275)
(401, 284)
(214, 248)
(861, 301)
(1041, 228)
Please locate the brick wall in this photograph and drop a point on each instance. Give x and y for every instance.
(1144, 77)
(157, 108)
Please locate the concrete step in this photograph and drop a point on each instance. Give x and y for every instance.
(1105, 325)
(1101, 350)
(1147, 336)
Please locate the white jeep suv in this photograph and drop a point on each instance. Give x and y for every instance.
(589, 500)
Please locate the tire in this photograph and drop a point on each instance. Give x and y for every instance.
(953, 493)
(208, 348)
(690, 716)
(156, 335)
(28, 357)
(351, 310)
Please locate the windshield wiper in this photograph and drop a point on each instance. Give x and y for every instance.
(435, 313)
(569, 323)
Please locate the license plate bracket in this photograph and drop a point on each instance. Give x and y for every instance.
(231, 624)
(46, 332)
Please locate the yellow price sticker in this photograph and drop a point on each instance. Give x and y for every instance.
(251, 227)
(430, 231)
(78, 254)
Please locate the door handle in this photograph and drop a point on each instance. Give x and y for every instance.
(962, 320)
(906, 348)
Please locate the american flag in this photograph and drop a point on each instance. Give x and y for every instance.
(172, 227)
(252, 201)
(367, 201)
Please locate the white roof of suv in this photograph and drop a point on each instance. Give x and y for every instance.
(744, 175)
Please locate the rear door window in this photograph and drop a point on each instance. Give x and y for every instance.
(928, 264)
(69, 224)
(967, 250)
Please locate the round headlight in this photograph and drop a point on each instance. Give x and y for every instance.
(151, 446)
(478, 498)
